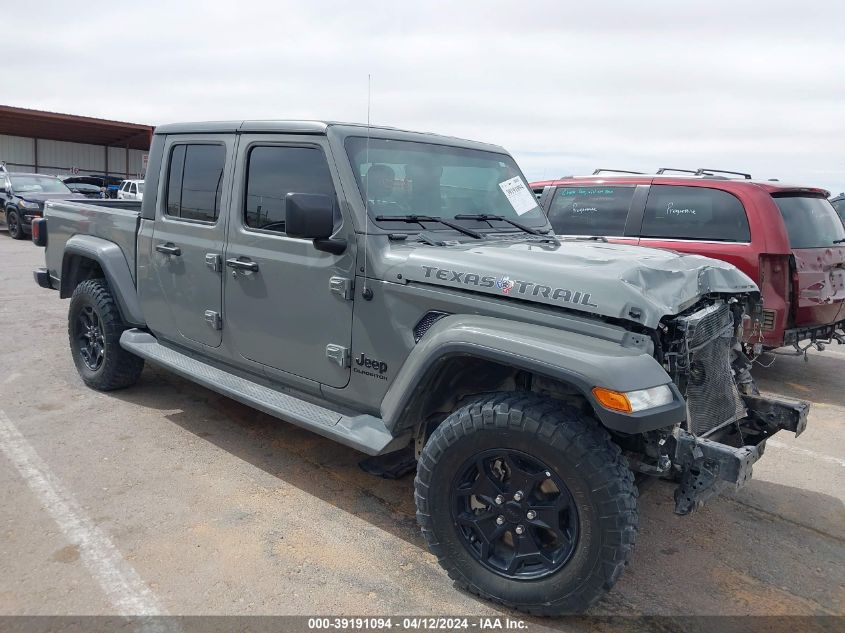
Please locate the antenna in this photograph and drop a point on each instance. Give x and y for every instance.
(366, 292)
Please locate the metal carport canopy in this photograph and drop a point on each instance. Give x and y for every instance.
(76, 129)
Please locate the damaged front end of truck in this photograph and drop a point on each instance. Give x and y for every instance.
(697, 318)
(728, 421)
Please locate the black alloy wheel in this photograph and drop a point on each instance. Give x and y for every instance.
(13, 223)
(89, 333)
(514, 515)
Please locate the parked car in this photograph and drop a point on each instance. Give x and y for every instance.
(86, 189)
(131, 190)
(839, 204)
(787, 238)
(401, 293)
(109, 184)
(23, 195)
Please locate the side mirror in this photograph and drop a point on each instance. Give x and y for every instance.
(312, 216)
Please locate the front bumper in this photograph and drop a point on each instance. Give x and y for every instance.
(710, 465)
(822, 333)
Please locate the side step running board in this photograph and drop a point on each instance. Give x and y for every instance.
(365, 433)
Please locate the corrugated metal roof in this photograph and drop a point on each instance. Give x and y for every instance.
(73, 128)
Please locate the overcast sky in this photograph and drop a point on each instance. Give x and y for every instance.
(566, 87)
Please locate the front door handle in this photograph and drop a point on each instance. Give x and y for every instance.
(169, 249)
(240, 264)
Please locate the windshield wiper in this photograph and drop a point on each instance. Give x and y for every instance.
(428, 218)
(490, 216)
(842, 241)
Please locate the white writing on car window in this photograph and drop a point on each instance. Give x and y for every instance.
(671, 210)
(576, 210)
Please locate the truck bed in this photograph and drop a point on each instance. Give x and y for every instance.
(113, 220)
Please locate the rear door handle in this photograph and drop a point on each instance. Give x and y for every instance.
(169, 249)
(240, 264)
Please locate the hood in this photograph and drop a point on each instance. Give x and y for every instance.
(614, 280)
(42, 197)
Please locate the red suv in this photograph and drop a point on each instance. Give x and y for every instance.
(788, 239)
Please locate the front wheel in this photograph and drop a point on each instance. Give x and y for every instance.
(13, 223)
(94, 329)
(527, 502)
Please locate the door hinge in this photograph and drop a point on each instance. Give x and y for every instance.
(338, 354)
(342, 286)
(214, 261)
(214, 319)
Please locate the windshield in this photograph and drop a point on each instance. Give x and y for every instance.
(38, 184)
(810, 221)
(402, 178)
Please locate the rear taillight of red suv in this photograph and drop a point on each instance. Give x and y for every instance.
(775, 285)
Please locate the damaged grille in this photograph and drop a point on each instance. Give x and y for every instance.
(713, 399)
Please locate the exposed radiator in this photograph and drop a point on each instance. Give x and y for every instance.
(713, 399)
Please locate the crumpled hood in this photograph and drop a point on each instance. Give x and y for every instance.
(629, 282)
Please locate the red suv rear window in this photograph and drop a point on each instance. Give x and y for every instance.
(811, 221)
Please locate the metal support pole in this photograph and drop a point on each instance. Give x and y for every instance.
(35, 152)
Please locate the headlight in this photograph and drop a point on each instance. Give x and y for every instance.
(633, 401)
(24, 204)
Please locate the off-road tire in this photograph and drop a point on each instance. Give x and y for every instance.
(579, 451)
(14, 225)
(119, 368)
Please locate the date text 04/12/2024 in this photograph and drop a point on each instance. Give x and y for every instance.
(417, 623)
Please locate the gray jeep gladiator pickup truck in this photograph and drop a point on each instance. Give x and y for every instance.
(403, 294)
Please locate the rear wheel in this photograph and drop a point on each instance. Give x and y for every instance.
(527, 502)
(94, 329)
(13, 222)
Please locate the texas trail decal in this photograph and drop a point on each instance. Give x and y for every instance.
(521, 289)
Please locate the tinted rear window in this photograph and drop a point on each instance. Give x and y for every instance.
(194, 181)
(590, 210)
(810, 222)
(694, 213)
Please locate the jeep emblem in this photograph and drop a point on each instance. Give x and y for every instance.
(370, 367)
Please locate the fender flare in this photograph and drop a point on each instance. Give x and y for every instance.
(116, 269)
(580, 360)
